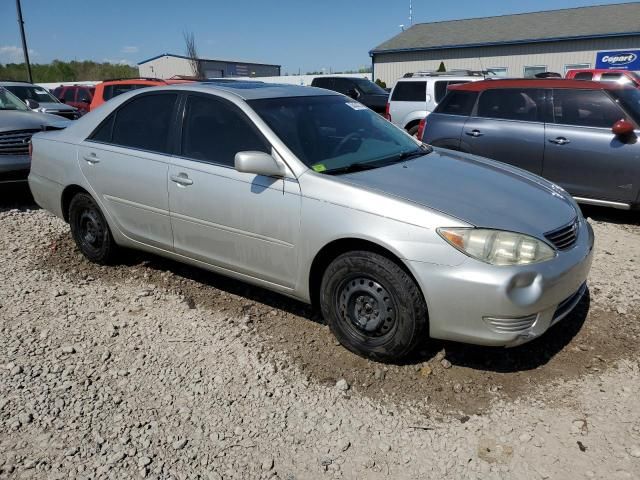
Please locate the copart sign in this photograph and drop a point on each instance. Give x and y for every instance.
(619, 59)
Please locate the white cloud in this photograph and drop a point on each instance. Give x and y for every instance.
(13, 54)
(130, 49)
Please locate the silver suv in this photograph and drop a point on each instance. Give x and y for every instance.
(413, 98)
(39, 99)
(581, 135)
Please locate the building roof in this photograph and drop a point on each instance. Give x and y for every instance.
(571, 23)
(205, 60)
(537, 83)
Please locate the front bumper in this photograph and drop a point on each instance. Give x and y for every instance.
(504, 306)
(14, 168)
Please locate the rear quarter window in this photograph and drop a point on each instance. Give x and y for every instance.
(410, 92)
(457, 103)
(441, 86)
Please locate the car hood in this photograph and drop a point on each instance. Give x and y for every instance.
(11, 120)
(481, 192)
(63, 107)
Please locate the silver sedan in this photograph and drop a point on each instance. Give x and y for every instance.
(312, 195)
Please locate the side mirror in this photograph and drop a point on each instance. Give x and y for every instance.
(32, 104)
(259, 163)
(622, 128)
(353, 93)
(85, 100)
(62, 100)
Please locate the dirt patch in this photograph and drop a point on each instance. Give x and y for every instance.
(452, 377)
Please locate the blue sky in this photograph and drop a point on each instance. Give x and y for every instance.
(303, 34)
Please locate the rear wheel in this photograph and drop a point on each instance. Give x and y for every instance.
(413, 131)
(373, 306)
(90, 230)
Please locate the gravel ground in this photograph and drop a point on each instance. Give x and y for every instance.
(151, 369)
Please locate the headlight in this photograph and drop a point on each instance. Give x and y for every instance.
(498, 247)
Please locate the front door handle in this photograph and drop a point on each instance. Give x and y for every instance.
(559, 141)
(182, 179)
(474, 133)
(91, 159)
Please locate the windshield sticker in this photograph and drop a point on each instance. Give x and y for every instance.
(319, 167)
(356, 106)
(40, 91)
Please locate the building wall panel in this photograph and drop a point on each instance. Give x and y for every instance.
(554, 55)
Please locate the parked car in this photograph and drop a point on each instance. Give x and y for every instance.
(581, 135)
(78, 96)
(361, 89)
(413, 98)
(312, 195)
(600, 75)
(40, 100)
(17, 125)
(112, 88)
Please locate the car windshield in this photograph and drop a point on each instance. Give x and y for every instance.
(9, 101)
(370, 88)
(630, 100)
(333, 134)
(39, 94)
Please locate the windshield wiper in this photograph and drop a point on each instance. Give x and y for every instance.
(354, 167)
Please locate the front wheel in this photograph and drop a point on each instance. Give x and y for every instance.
(90, 230)
(373, 306)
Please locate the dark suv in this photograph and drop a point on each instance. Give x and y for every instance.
(581, 135)
(361, 89)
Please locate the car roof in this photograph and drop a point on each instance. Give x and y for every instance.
(248, 90)
(15, 83)
(600, 70)
(536, 83)
(426, 78)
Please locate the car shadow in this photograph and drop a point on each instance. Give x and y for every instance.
(611, 215)
(16, 196)
(496, 359)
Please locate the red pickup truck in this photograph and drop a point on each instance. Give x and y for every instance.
(600, 75)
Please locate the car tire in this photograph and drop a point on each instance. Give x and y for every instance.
(90, 230)
(413, 131)
(373, 306)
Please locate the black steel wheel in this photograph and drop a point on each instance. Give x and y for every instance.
(373, 306)
(90, 230)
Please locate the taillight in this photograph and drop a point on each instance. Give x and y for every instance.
(387, 115)
(421, 126)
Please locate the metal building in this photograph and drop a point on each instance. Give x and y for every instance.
(168, 65)
(520, 45)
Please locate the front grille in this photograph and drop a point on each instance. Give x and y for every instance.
(16, 143)
(564, 237)
(511, 325)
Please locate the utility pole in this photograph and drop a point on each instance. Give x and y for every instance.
(24, 40)
(410, 12)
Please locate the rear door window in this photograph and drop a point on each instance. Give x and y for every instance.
(111, 91)
(457, 103)
(583, 76)
(342, 85)
(70, 95)
(440, 88)
(142, 123)
(585, 108)
(410, 92)
(523, 104)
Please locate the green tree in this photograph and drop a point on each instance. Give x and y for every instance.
(441, 68)
(74, 71)
(380, 83)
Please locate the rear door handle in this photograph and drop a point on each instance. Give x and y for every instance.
(474, 133)
(181, 179)
(559, 141)
(91, 159)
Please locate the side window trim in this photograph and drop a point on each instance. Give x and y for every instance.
(180, 121)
